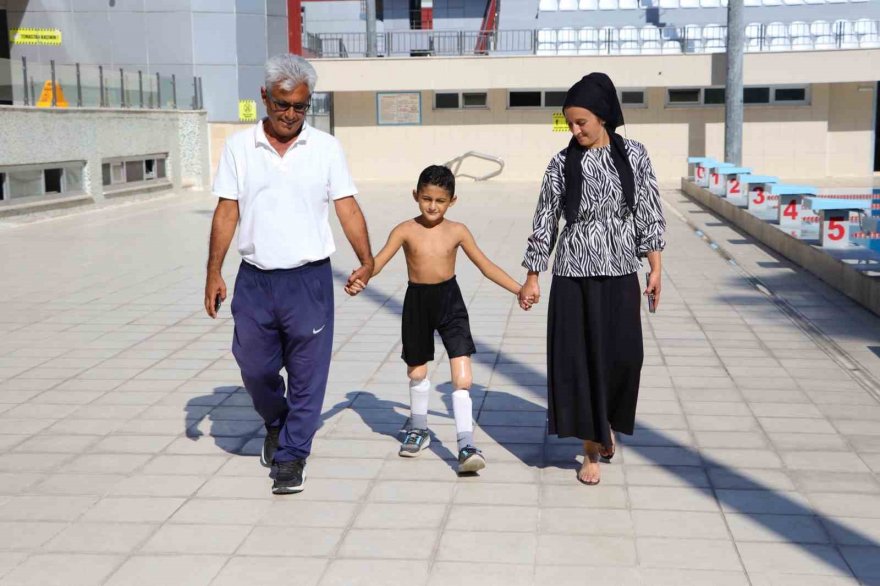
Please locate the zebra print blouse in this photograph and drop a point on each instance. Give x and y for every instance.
(605, 240)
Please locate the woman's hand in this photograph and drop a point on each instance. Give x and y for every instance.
(653, 287)
(530, 292)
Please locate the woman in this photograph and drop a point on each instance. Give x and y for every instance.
(606, 187)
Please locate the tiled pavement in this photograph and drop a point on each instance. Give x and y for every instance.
(127, 448)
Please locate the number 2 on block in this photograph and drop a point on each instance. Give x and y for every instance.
(734, 187)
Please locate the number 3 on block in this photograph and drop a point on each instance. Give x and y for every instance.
(759, 196)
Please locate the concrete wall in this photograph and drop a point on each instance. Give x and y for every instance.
(90, 135)
(831, 136)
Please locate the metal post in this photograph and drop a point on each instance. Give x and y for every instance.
(371, 28)
(733, 95)
(173, 92)
(102, 99)
(24, 81)
(121, 88)
(195, 99)
(158, 91)
(201, 95)
(79, 88)
(33, 94)
(52, 73)
(141, 88)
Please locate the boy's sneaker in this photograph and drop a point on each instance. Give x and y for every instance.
(270, 445)
(414, 443)
(470, 459)
(290, 477)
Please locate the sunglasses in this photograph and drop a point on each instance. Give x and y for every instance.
(279, 107)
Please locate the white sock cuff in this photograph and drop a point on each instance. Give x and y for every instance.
(422, 386)
(463, 410)
(419, 397)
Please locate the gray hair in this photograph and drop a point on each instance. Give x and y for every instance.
(288, 71)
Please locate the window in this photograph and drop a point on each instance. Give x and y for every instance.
(52, 180)
(474, 100)
(442, 101)
(554, 99)
(455, 100)
(632, 97)
(756, 95)
(790, 95)
(35, 180)
(524, 99)
(132, 170)
(713, 95)
(684, 96)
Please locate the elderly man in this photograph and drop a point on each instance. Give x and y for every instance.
(276, 181)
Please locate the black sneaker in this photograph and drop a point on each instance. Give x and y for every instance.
(290, 477)
(270, 445)
(415, 441)
(470, 459)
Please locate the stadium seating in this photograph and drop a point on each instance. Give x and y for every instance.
(776, 36)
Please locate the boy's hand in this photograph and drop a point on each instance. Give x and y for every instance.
(355, 287)
(525, 302)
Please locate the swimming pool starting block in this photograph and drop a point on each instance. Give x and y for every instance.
(754, 192)
(723, 179)
(834, 231)
(701, 171)
(790, 215)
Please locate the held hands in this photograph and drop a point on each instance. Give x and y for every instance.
(358, 280)
(529, 294)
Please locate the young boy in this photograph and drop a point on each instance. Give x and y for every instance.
(433, 302)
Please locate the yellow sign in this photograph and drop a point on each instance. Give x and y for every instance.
(35, 36)
(247, 110)
(559, 123)
(45, 100)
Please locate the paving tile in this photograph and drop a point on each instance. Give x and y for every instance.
(132, 510)
(503, 547)
(25, 535)
(279, 541)
(371, 572)
(563, 550)
(679, 524)
(101, 537)
(392, 516)
(183, 570)
(778, 528)
(693, 554)
(492, 518)
(264, 571)
(481, 574)
(676, 499)
(63, 569)
(196, 539)
(386, 544)
(792, 558)
(580, 521)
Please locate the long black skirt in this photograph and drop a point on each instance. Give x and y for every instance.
(594, 356)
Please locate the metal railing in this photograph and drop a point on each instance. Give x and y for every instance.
(72, 85)
(455, 164)
(627, 40)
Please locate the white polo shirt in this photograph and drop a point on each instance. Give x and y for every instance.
(283, 202)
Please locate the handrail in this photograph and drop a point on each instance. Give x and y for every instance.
(455, 164)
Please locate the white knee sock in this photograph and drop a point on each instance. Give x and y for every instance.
(418, 403)
(463, 409)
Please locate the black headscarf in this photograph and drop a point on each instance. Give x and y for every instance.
(596, 93)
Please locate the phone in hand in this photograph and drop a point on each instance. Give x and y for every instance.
(217, 302)
(651, 307)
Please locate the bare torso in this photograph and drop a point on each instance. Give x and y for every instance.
(431, 250)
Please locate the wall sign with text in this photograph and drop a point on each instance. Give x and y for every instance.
(34, 36)
(398, 108)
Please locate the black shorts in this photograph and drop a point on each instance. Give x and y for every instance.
(437, 307)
